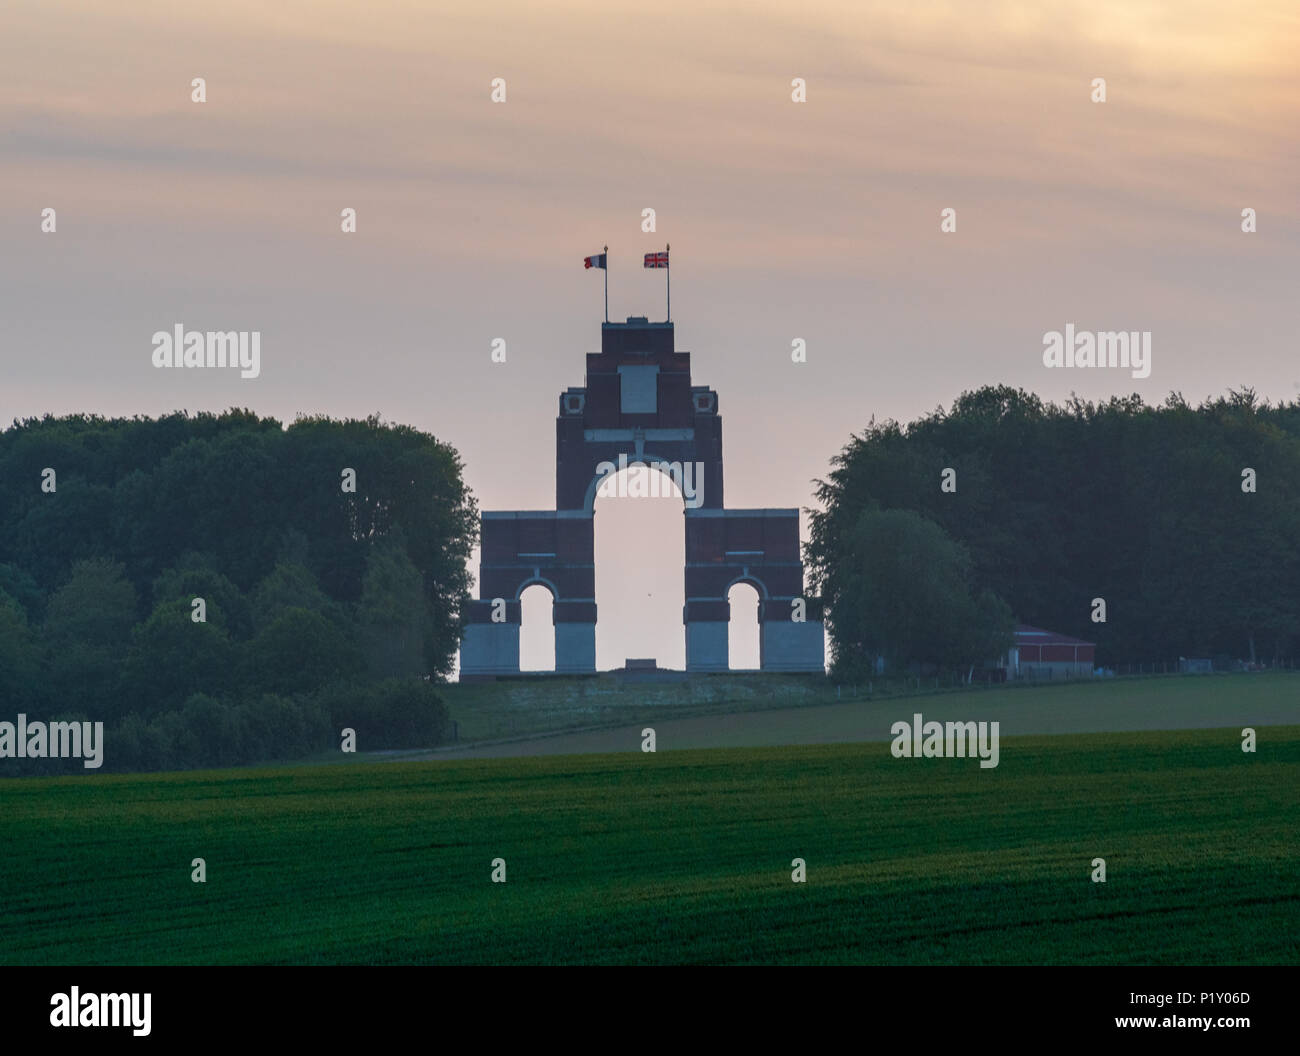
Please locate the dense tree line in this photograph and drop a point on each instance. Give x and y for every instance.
(322, 607)
(1149, 508)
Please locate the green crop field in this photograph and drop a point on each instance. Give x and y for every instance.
(678, 857)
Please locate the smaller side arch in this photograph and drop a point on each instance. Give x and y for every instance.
(749, 580)
(536, 580)
(745, 601)
(537, 645)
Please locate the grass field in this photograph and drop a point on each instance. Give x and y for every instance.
(677, 857)
(519, 708)
(1172, 702)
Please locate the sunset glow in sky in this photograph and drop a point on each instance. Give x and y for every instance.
(817, 221)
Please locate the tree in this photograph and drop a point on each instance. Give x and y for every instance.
(1142, 506)
(291, 586)
(392, 614)
(198, 576)
(900, 589)
(172, 657)
(95, 605)
(87, 630)
(20, 586)
(249, 516)
(19, 656)
(297, 652)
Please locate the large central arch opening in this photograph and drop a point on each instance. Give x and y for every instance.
(640, 556)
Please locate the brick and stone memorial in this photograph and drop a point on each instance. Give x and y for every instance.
(639, 407)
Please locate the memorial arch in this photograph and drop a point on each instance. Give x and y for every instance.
(639, 407)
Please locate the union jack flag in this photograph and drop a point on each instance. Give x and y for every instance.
(656, 260)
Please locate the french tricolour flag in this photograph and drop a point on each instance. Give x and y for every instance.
(598, 261)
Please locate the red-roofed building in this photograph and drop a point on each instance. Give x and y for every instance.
(1037, 653)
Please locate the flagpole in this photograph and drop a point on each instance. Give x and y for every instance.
(668, 267)
(606, 270)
